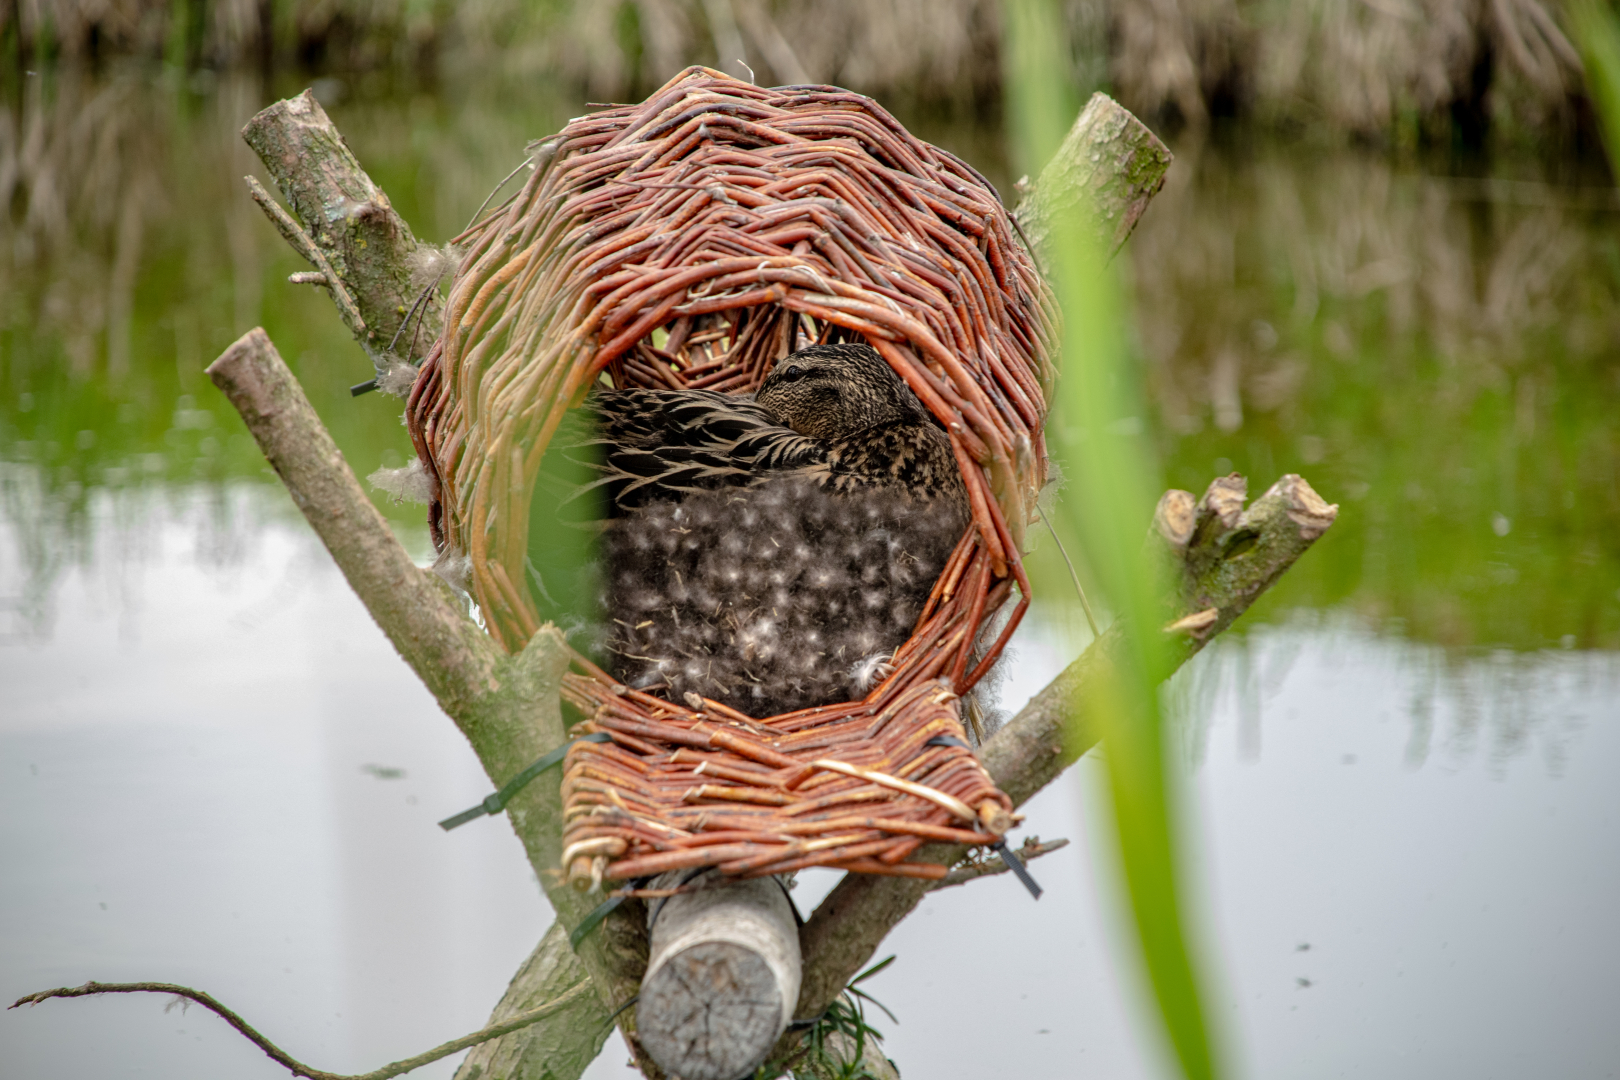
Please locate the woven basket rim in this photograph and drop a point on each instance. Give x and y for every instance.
(720, 211)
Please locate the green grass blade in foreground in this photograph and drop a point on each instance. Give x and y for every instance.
(1597, 33)
(1112, 499)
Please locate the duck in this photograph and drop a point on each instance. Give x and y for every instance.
(768, 553)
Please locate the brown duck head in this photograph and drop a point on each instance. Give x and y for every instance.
(835, 391)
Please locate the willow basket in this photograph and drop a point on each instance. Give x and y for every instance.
(692, 241)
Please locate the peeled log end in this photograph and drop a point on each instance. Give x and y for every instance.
(711, 1013)
(722, 977)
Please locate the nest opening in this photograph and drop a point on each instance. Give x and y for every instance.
(691, 242)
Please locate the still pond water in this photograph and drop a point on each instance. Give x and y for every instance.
(1400, 768)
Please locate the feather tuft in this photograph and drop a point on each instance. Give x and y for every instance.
(430, 265)
(868, 671)
(455, 568)
(409, 483)
(396, 378)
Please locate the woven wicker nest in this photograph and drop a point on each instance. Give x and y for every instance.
(691, 241)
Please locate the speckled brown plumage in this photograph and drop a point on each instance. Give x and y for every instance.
(770, 554)
(876, 432)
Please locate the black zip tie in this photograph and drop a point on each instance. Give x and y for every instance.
(363, 388)
(593, 920)
(607, 1027)
(1016, 865)
(494, 804)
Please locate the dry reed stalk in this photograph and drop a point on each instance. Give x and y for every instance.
(1347, 66)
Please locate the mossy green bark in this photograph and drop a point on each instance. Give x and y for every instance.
(1106, 171)
(350, 220)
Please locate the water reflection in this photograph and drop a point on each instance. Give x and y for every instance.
(223, 781)
(1438, 354)
(1458, 709)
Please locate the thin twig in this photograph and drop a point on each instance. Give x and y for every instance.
(490, 197)
(300, 240)
(293, 1065)
(416, 307)
(1091, 620)
(1032, 848)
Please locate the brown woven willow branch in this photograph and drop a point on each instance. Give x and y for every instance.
(692, 241)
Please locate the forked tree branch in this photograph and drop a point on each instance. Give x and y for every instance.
(349, 219)
(507, 706)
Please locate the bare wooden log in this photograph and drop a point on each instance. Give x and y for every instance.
(1227, 561)
(352, 223)
(722, 977)
(1108, 169)
(419, 613)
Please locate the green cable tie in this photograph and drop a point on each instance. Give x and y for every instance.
(593, 920)
(494, 804)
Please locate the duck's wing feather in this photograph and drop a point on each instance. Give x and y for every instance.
(912, 457)
(625, 448)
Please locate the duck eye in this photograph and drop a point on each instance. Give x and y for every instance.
(791, 372)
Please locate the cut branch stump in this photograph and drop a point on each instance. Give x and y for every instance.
(1106, 172)
(350, 221)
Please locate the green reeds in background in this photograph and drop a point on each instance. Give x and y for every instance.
(1095, 431)
(1598, 33)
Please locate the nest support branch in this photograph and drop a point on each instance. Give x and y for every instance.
(507, 706)
(1224, 558)
(485, 691)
